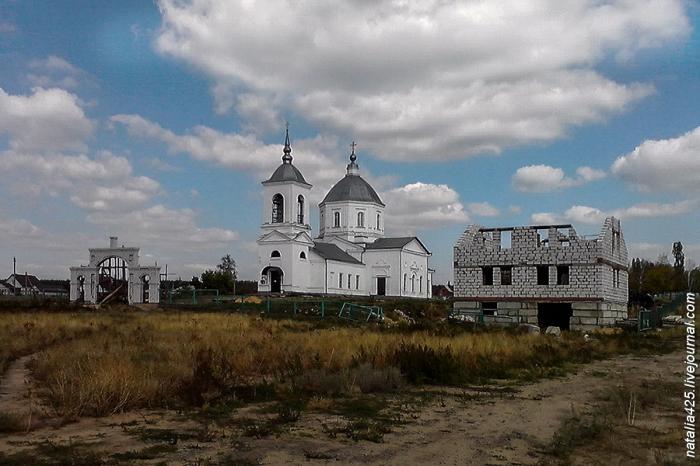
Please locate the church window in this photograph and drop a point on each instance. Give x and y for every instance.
(340, 280)
(349, 281)
(378, 218)
(404, 282)
(361, 219)
(300, 209)
(277, 208)
(413, 283)
(336, 219)
(420, 284)
(275, 254)
(302, 255)
(357, 282)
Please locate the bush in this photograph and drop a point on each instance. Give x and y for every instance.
(423, 364)
(323, 382)
(374, 380)
(212, 377)
(9, 423)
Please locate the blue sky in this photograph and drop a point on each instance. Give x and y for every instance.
(157, 121)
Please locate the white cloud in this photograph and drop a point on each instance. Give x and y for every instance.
(105, 182)
(592, 215)
(47, 119)
(238, 151)
(159, 224)
(422, 206)
(545, 178)
(421, 80)
(54, 71)
(54, 63)
(483, 209)
(663, 165)
(13, 230)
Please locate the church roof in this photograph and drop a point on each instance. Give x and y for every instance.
(352, 188)
(394, 243)
(333, 252)
(287, 172)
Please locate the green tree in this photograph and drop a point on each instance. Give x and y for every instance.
(223, 278)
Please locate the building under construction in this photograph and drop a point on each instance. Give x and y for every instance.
(544, 275)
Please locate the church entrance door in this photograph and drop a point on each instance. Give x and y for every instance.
(381, 286)
(275, 280)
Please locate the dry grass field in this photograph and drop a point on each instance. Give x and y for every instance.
(259, 378)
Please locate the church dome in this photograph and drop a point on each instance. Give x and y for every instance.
(352, 188)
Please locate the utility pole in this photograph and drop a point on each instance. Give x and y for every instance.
(14, 276)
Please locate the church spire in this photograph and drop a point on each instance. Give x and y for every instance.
(287, 157)
(353, 168)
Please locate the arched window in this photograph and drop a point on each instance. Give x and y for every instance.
(277, 208)
(404, 282)
(336, 219)
(302, 255)
(378, 218)
(361, 219)
(275, 254)
(413, 283)
(300, 209)
(420, 284)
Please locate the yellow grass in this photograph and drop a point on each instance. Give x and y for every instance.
(97, 364)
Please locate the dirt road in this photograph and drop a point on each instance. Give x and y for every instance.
(456, 427)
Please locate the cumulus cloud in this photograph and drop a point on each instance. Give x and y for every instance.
(545, 178)
(104, 182)
(241, 151)
(421, 80)
(47, 119)
(663, 165)
(483, 209)
(409, 208)
(592, 215)
(422, 206)
(160, 224)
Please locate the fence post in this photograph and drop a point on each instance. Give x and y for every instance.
(295, 307)
(268, 305)
(323, 308)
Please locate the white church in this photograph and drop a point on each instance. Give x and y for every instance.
(350, 255)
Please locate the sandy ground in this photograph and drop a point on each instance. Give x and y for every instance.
(474, 426)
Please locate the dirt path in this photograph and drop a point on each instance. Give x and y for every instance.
(17, 395)
(457, 427)
(494, 430)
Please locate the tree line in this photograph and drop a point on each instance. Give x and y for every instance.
(648, 278)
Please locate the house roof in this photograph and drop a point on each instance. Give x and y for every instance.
(7, 285)
(23, 280)
(352, 188)
(333, 252)
(394, 243)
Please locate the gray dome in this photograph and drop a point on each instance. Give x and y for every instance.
(352, 188)
(287, 172)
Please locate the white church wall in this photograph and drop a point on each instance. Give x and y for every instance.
(348, 220)
(349, 273)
